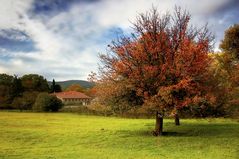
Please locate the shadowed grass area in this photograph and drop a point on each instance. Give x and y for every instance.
(64, 135)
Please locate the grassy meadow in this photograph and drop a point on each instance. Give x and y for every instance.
(73, 136)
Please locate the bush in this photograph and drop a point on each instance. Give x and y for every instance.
(47, 103)
(99, 109)
(25, 102)
(19, 103)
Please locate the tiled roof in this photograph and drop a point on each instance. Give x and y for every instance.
(71, 95)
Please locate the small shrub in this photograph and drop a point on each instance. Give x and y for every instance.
(47, 103)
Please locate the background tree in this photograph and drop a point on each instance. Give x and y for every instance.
(5, 91)
(16, 87)
(58, 88)
(164, 62)
(75, 87)
(34, 82)
(230, 43)
(55, 87)
(91, 92)
(20, 93)
(229, 63)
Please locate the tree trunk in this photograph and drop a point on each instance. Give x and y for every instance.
(158, 125)
(176, 117)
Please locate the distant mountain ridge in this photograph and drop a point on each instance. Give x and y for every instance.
(65, 84)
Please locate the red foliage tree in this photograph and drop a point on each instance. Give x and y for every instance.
(164, 60)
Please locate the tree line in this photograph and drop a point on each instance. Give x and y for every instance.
(21, 92)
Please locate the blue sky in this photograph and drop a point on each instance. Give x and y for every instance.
(61, 39)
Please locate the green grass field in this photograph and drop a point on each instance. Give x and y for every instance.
(65, 135)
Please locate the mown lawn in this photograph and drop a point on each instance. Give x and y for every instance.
(65, 135)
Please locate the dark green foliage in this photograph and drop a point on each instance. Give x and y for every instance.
(16, 87)
(10, 88)
(202, 110)
(20, 93)
(34, 82)
(5, 79)
(25, 102)
(47, 103)
(5, 91)
(230, 43)
(58, 88)
(32, 85)
(55, 87)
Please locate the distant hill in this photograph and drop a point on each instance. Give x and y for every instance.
(65, 84)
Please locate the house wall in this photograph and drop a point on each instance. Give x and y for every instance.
(76, 101)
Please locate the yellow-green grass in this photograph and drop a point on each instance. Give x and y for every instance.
(65, 135)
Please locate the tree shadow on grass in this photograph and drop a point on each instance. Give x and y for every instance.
(188, 130)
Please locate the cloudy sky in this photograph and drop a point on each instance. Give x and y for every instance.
(61, 39)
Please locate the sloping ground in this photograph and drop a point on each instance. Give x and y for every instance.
(62, 135)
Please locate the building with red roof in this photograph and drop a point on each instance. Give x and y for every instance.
(73, 97)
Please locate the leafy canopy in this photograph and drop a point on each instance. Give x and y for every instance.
(164, 61)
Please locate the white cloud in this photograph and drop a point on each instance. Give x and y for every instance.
(11, 11)
(68, 43)
(59, 50)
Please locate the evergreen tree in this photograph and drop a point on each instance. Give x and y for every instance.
(55, 87)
